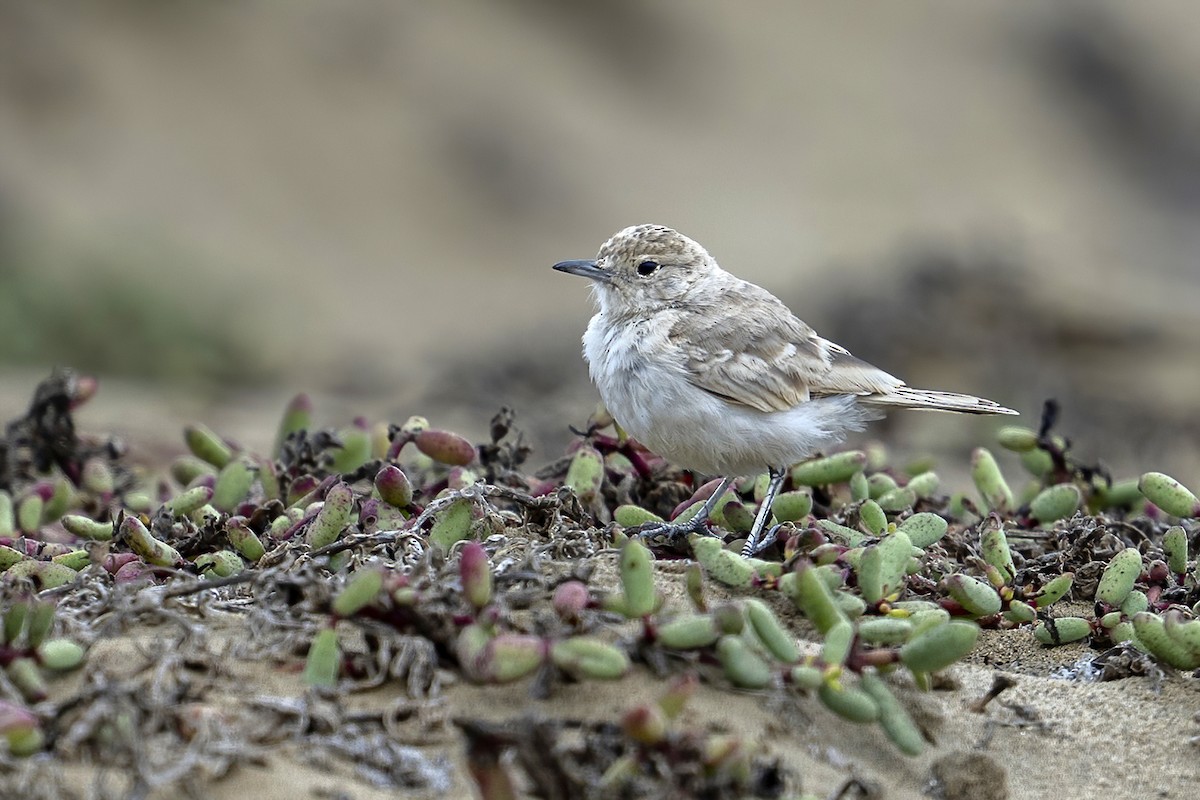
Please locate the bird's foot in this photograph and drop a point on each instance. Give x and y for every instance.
(671, 534)
(755, 546)
(674, 534)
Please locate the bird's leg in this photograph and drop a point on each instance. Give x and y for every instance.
(764, 511)
(667, 531)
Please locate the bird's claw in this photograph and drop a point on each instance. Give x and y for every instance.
(669, 534)
(753, 548)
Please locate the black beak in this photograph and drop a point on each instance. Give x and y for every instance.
(584, 268)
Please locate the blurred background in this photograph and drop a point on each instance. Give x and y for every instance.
(214, 205)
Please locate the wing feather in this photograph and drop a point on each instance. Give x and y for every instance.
(750, 349)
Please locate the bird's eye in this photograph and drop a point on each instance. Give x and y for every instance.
(647, 267)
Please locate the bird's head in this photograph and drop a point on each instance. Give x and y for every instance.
(644, 268)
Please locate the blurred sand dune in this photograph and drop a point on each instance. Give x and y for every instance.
(368, 196)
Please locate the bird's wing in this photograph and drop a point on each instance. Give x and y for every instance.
(850, 375)
(750, 349)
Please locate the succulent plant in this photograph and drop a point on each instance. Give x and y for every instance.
(868, 577)
(28, 657)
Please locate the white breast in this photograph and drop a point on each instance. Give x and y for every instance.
(631, 368)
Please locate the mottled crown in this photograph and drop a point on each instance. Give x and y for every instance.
(652, 241)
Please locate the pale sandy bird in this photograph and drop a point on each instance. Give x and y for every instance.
(716, 374)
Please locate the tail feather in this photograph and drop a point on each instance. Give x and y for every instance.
(907, 397)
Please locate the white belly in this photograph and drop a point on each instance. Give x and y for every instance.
(643, 381)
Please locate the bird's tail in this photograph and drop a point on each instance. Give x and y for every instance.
(907, 397)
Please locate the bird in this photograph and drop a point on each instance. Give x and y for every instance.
(717, 375)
